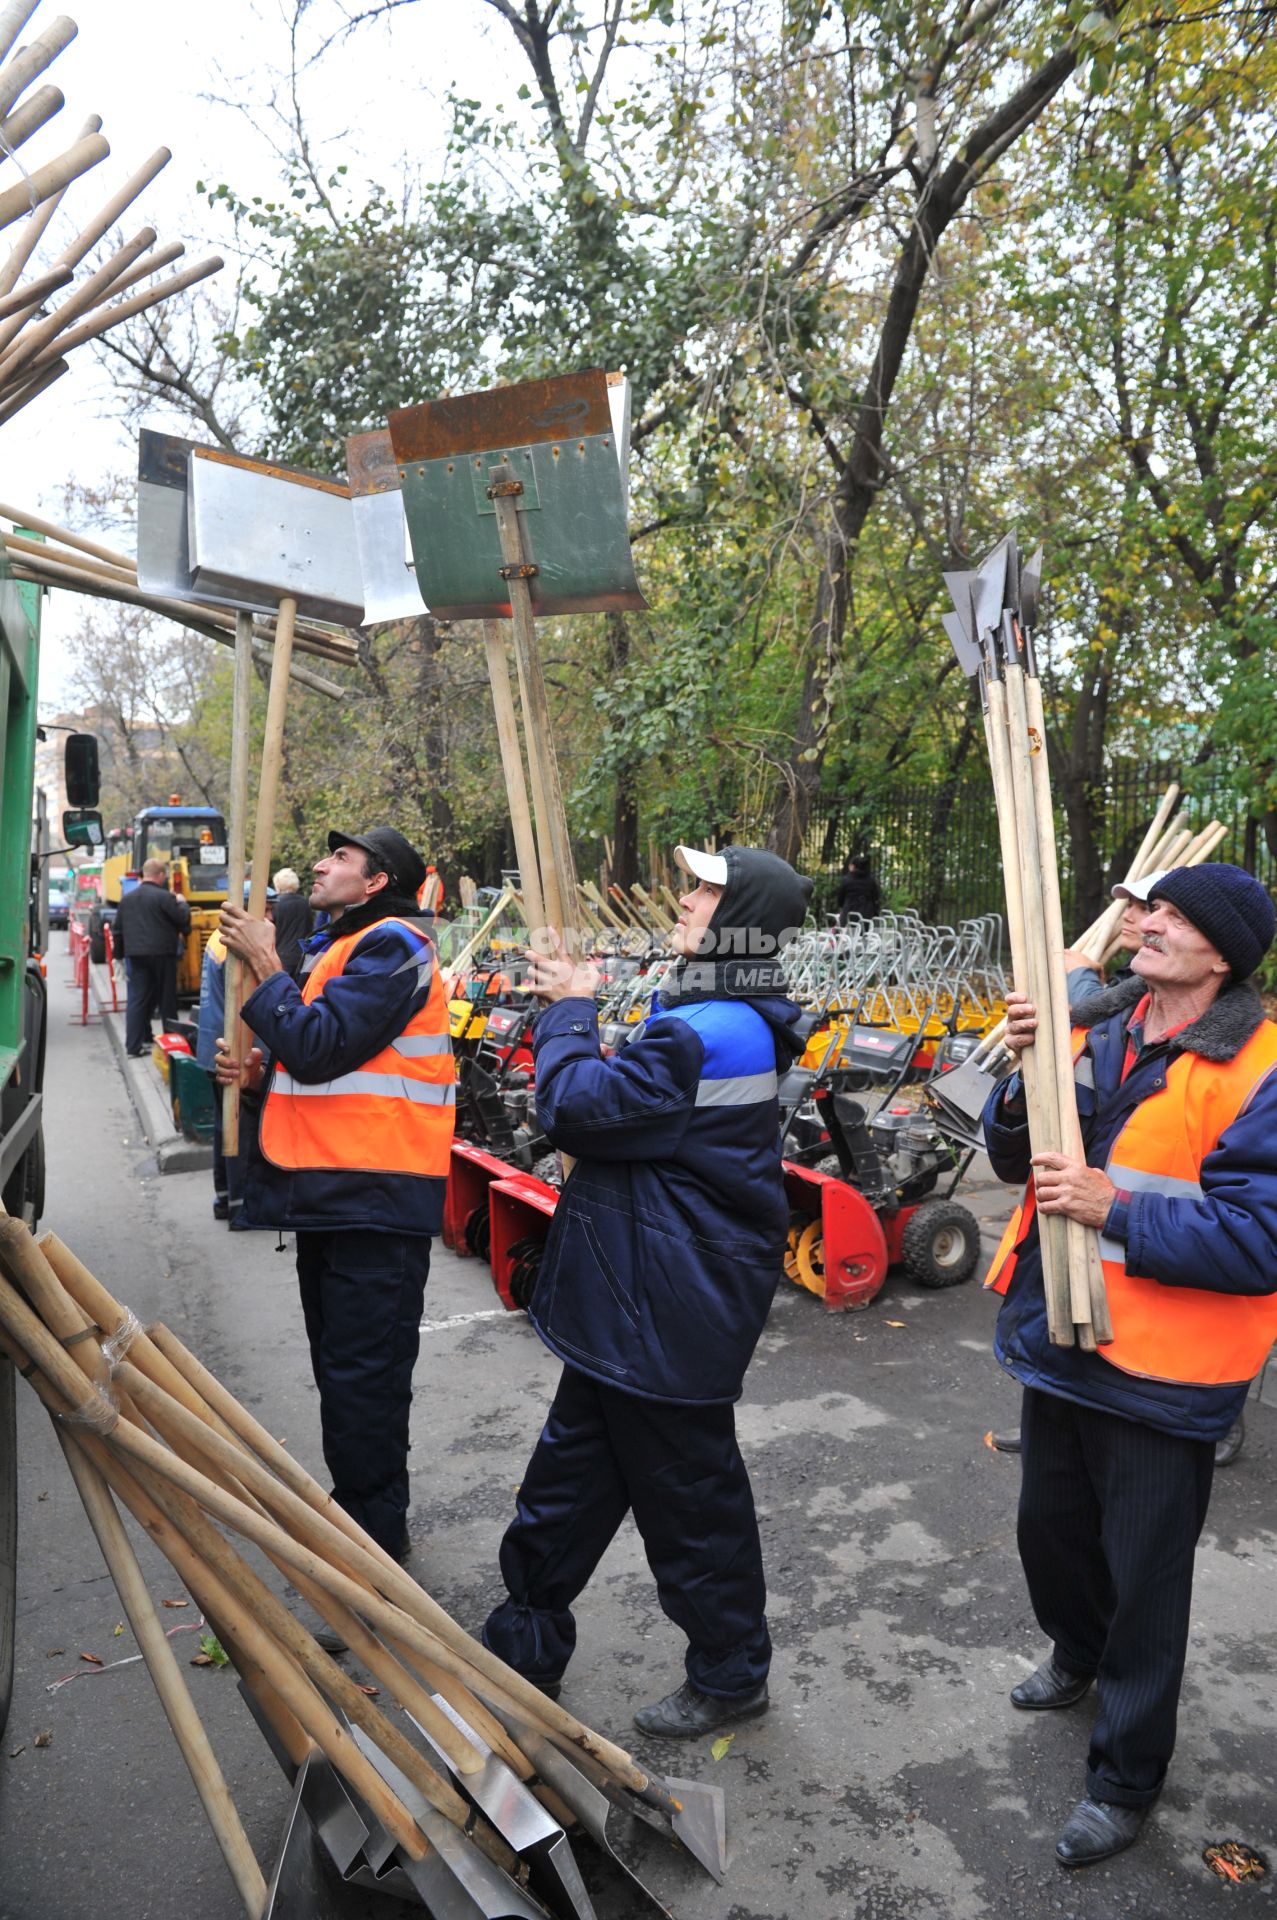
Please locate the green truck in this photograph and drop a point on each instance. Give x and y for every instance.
(23, 1000)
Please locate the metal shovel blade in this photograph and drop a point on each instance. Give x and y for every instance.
(696, 1813)
(970, 658)
(518, 1816)
(455, 1880)
(257, 532)
(960, 587)
(990, 589)
(1031, 589)
(301, 1888)
(381, 530)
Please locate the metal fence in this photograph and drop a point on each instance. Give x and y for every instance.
(936, 848)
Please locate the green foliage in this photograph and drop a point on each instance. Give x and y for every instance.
(724, 212)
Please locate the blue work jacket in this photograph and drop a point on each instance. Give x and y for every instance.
(1225, 1243)
(669, 1236)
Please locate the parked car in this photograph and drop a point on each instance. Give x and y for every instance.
(59, 904)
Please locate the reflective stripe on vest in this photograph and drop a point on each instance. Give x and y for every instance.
(392, 1114)
(1190, 1335)
(737, 1090)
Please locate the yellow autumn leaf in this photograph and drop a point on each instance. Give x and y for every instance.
(721, 1745)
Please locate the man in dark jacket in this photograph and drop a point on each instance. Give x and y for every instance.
(292, 920)
(149, 922)
(859, 895)
(1176, 1075)
(662, 1260)
(353, 1148)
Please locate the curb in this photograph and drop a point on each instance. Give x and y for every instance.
(173, 1152)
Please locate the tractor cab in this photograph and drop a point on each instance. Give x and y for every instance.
(191, 841)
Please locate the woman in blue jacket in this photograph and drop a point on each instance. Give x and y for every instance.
(659, 1271)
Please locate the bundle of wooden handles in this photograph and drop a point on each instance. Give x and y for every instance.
(543, 849)
(36, 336)
(1168, 843)
(142, 1423)
(991, 630)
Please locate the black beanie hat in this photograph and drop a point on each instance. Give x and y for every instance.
(1226, 904)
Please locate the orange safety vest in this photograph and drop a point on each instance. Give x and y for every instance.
(394, 1114)
(1187, 1334)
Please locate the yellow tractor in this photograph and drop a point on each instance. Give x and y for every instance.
(192, 843)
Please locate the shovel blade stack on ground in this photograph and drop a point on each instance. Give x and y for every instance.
(459, 1797)
(991, 630)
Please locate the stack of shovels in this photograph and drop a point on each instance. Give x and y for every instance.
(462, 1797)
(1168, 843)
(991, 630)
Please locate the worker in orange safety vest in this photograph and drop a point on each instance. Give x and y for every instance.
(1176, 1078)
(353, 1152)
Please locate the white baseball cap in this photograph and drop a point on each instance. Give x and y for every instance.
(706, 866)
(1139, 890)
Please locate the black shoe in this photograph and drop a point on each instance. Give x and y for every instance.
(221, 1208)
(1096, 1830)
(139, 1053)
(1227, 1449)
(316, 1626)
(1051, 1686)
(1005, 1442)
(688, 1713)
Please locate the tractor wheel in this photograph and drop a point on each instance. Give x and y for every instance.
(809, 1258)
(525, 1264)
(941, 1244)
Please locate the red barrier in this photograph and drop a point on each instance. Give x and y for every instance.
(110, 967)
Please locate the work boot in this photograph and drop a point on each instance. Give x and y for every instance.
(688, 1713)
(1051, 1686)
(316, 1626)
(1096, 1830)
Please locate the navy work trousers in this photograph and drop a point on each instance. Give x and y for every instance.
(152, 988)
(362, 1295)
(1110, 1512)
(603, 1453)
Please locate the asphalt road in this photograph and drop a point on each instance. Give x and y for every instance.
(890, 1779)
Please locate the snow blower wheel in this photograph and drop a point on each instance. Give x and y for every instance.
(478, 1232)
(525, 1265)
(941, 1244)
(809, 1259)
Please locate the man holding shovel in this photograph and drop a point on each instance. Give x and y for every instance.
(665, 1251)
(353, 1149)
(1176, 1074)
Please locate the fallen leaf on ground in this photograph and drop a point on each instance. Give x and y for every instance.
(53, 1652)
(372, 1692)
(42, 1496)
(118, 1629)
(94, 1659)
(721, 1745)
(212, 1653)
(175, 1603)
(203, 1660)
(44, 1738)
(897, 1323)
(15, 1751)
